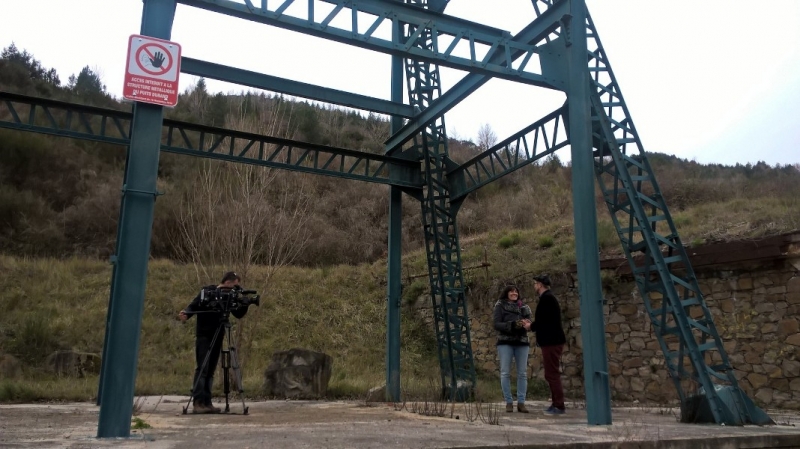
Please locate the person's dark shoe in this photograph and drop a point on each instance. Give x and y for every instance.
(555, 411)
(521, 408)
(198, 408)
(212, 409)
(510, 407)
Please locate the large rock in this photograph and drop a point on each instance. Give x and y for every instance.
(377, 394)
(298, 374)
(73, 364)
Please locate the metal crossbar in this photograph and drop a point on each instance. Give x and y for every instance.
(112, 126)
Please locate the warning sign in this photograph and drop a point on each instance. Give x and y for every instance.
(151, 73)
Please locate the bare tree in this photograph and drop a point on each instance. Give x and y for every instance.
(239, 215)
(486, 137)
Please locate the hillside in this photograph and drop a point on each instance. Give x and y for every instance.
(60, 197)
(51, 304)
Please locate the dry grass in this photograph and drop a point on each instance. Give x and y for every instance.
(339, 311)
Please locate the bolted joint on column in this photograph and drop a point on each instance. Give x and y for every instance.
(566, 29)
(155, 193)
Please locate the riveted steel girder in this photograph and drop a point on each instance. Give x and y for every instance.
(111, 126)
(451, 320)
(548, 22)
(455, 43)
(532, 143)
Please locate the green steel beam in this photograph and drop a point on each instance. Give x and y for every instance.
(111, 126)
(456, 43)
(64, 119)
(534, 142)
(395, 247)
(129, 281)
(437, 5)
(532, 34)
(218, 143)
(595, 353)
(286, 86)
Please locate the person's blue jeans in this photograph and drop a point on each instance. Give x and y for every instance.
(520, 355)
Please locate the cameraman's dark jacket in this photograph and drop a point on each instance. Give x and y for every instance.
(506, 314)
(208, 320)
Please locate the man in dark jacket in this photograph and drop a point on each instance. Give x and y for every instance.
(209, 321)
(550, 337)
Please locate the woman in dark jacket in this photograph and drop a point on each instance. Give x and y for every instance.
(510, 316)
(550, 337)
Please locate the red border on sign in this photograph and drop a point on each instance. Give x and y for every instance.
(153, 72)
(150, 87)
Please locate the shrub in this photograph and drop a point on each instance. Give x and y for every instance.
(546, 241)
(414, 291)
(35, 340)
(16, 392)
(606, 234)
(509, 240)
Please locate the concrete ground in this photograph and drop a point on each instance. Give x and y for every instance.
(354, 424)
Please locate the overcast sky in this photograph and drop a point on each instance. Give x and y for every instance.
(712, 80)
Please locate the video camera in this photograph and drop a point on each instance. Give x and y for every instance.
(225, 299)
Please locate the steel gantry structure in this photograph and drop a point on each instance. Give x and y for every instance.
(594, 122)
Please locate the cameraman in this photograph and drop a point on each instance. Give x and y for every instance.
(208, 322)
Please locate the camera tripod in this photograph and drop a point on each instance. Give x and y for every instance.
(229, 361)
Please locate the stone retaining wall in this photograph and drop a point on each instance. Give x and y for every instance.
(756, 310)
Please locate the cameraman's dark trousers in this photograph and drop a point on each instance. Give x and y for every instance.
(204, 375)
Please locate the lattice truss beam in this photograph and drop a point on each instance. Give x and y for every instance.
(540, 139)
(112, 126)
(694, 355)
(670, 290)
(437, 38)
(451, 321)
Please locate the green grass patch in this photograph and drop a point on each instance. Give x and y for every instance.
(545, 241)
(606, 235)
(139, 423)
(509, 240)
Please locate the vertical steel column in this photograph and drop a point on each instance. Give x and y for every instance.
(595, 359)
(103, 364)
(395, 248)
(133, 245)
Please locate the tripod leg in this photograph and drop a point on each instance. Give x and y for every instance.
(226, 382)
(237, 372)
(201, 373)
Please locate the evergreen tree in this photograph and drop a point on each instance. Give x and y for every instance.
(87, 83)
